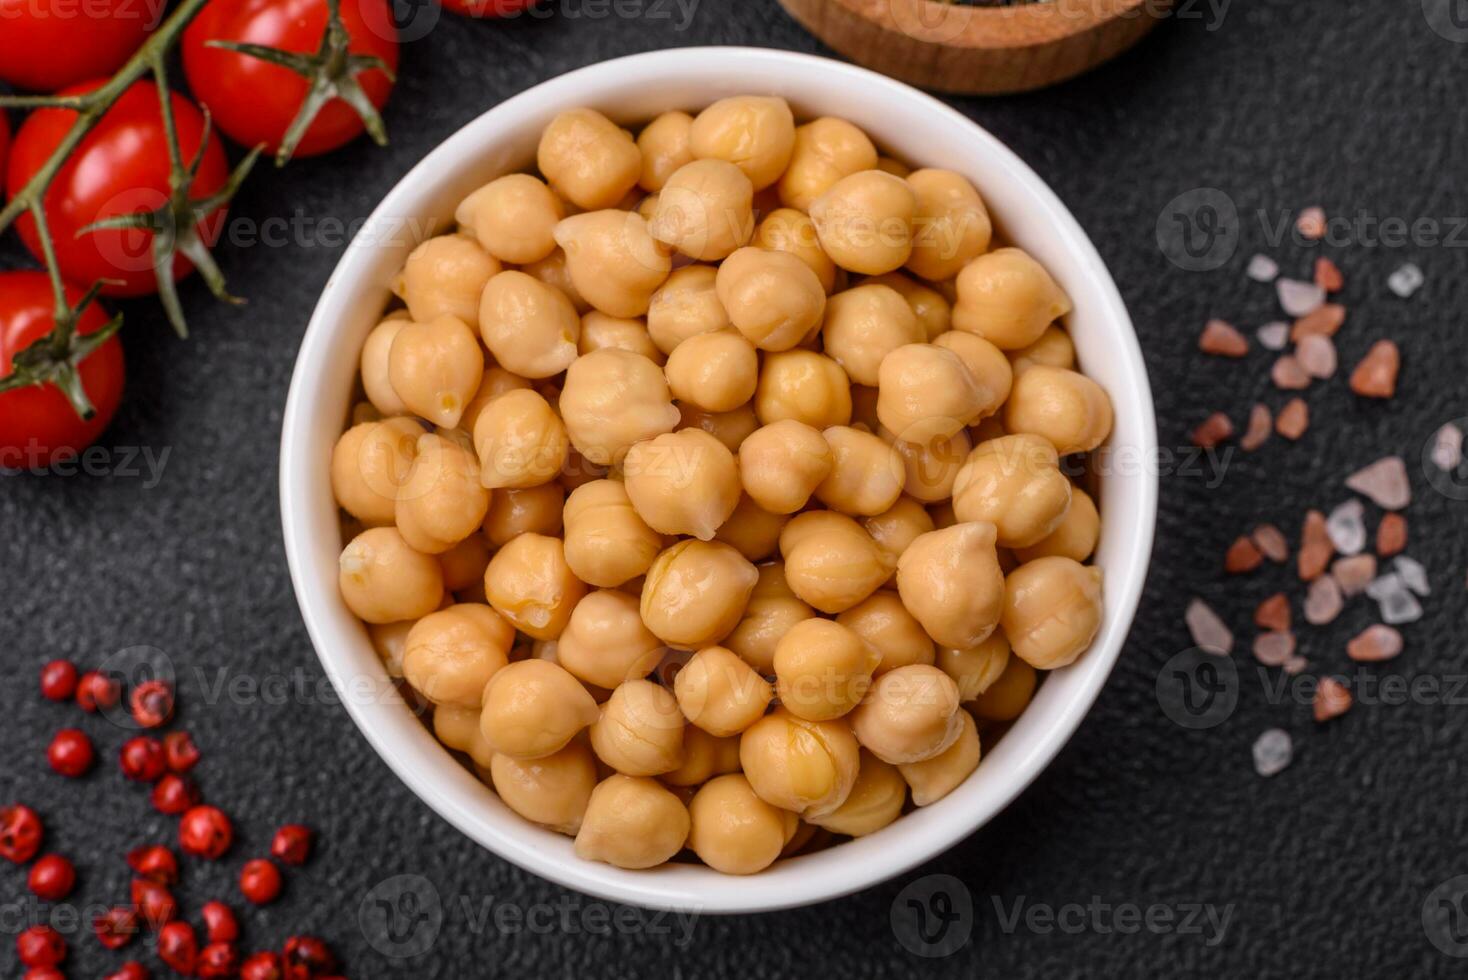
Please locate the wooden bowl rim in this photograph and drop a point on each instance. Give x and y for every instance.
(957, 24)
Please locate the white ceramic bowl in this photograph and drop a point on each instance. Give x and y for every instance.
(902, 121)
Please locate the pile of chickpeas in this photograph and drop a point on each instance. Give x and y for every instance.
(708, 483)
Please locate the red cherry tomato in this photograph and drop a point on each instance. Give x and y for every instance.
(122, 167)
(487, 8)
(46, 45)
(37, 422)
(254, 101)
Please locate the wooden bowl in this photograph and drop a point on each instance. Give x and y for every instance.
(968, 49)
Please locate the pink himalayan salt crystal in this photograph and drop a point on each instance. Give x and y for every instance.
(1293, 419)
(1323, 603)
(1325, 321)
(1211, 431)
(1315, 547)
(1374, 644)
(1391, 535)
(1299, 298)
(1447, 448)
(1354, 573)
(1261, 424)
(1207, 629)
(1273, 751)
(1274, 649)
(1271, 542)
(1311, 223)
(1222, 338)
(1328, 275)
(1384, 482)
(1263, 269)
(1316, 354)
(1296, 665)
(1288, 374)
(1273, 336)
(1376, 375)
(1331, 699)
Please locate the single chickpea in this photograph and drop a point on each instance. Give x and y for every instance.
(951, 226)
(521, 441)
(683, 482)
(552, 271)
(875, 800)
(931, 307)
(897, 527)
(588, 159)
(755, 133)
(513, 217)
(390, 640)
(607, 543)
(444, 277)
(605, 642)
(1075, 537)
(530, 328)
(369, 465)
(751, 530)
(781, 464)
(451, 654)
(1008, 298)
(613, 399)
(1066, 407)
(695, 593)
(865, 324)
(1052, 610)
(730, 428)
(830, 561)
(632, 823)
(375, 360)
(1014, 483)
(704, 757)
(435, 368)
(805, 387)
(975, 669)
(720, 693)
(950, 581)
(383, 580)
(716, 372)
(664, 144)
(457, 727)
(866, 475)
(789, 230)
(733, 830)
(640, 731)
(931, 469)
(496, 382)
(512, 513)
(686, 305)
(987, 365)
(599, 331)
(826, 150)
(529, 583)
(772, 610)
(705, 211)
(823, 669)
(807, 767)
(926, 393)
(932, 779)
(1007, 696)
(911, 714)
(614, 261)
(464, 564)
(441, 503)
(771, 297)
(865, 222)
(552, 791)
(884, 622)
(533, 708)
(1053, 349)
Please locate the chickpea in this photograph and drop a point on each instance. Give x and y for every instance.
(375, 361)
(704, 757)
(755, 133)
(930, 469)
(925, 393)
(932, 779)
(805, 766)
(383, 580)
(529, 583)
(730, 428)
(521, 441)
(664, 144)
(975, 669)
(513, 217)
(614, 261)
(826, 150)
(884, 622)
(781, 464)
(533, 708)
(1068, 408)
(552, 791)
(464, 564)
(515, 512)
(875, 800)
(865, 324)
(686, 305)
(1074, 538)
(823, 668)
(951, 226)
(457, 727)
(1053, 349)
(866, 475)
(588, 159)
(1052, 610)
(695, 593)
(607, 543)
(720, 693)
(444, 277)
(552, 271)
(987, 365)
(605, 642)
(1014, 483)
(752, 531)
(530, 328)
(369, 464)
(789, 230)
(441, 503)
(865, 222)
(599, 331)
(830, 561)
(632, 823)
(451, 654)
(803, 386)
(640, 731)
(934, 312)
(1008, 298)
(435, 368)
(716, 372)
(496, 382)
(950, 581)
(613, 399)
(911, 714)
(705, 211)
(773, 298)
(897, 527)
(390, 640)
(772, 610)
(1007, 696)
(733, 830)
(684, 482)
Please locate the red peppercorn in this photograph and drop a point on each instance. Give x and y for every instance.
(155, 903)
(307, 957)
(206, 832)
(44, 973)
(152, 703)
(154, 862)
(219, 923)
(40, 946)
(20, 833)
(142, 759)
(218, 960)
(174, 794)
(96, 691)
(182, 753)
(131, 970)
(70, 753)
(52, 878)
(58, 680)
(260, 881)
(291, 844)
(178, 948)
(261, 966)
(116, 927)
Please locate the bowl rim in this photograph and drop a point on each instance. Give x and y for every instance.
(686, 888)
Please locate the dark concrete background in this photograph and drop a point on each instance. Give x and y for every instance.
(1323, 871)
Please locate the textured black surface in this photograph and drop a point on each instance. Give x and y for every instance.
(1325, 868)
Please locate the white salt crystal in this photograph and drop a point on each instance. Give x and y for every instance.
(1406, 280)
(1397, 604)
(1263, 269)
(1207, 629)
(1299, 298)
(1413, 575)
(1447, 448)
(1346, 527)
(1274, 336)
(1273, 751)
